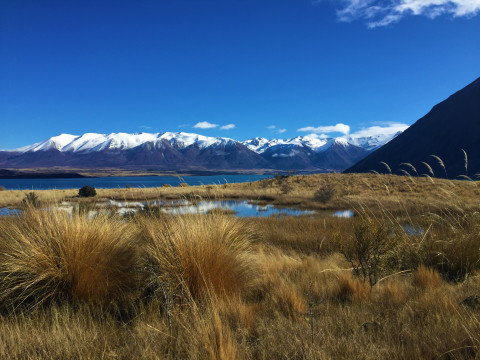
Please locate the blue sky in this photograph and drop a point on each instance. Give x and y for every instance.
(251, 67)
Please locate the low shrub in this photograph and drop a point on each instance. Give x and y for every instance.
(325, 193)
(31, 200)
(2, 188)
(87, 191)
(368, 249)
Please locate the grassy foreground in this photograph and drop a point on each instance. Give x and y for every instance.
(218, 287)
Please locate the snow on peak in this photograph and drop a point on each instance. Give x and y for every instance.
(56, 142)
(341, 141)
(93, 142)
(183, 140)
(256, 144)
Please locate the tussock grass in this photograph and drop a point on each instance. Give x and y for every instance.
(350, 289)
(50, 256)
(198, 254)
(218, 287)
(426, 278)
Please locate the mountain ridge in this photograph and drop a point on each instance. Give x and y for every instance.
(187, 151)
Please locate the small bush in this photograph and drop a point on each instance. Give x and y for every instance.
(31, 200)
(325, 193)
(183, 184)
(87, 191)
(2, 188)
(166, 185)
(368, 248)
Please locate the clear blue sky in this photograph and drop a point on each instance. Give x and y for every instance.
(263, 65)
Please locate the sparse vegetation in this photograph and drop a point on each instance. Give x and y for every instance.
(325, 193)
(399, 280)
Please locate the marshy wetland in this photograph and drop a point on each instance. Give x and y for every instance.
(398, 279)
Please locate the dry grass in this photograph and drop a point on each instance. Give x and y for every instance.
(426, 278)
(48, 256)
(368, 189)
(198, 255)
(219, 287)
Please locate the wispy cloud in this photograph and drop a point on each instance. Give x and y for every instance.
(384, 12)
(384, 129)
(388, 129)
(145, 127)
(341, 128)
(205, 125)
(227, 127)
(276, 130)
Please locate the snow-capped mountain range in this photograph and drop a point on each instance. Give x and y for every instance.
(186, 151)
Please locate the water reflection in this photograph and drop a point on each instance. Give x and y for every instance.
(411, 231)
(238, 208)
(343, 214)
(7, 211)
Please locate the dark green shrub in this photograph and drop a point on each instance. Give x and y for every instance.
(2, 188)
(87, 191)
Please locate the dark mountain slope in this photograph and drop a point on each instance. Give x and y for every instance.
(452, 125)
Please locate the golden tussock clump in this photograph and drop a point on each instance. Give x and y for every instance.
(51, 256)
(426, 278)
(351, 289)
(196, 255)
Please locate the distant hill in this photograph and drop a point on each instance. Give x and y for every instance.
(450, 127)
(9, 174)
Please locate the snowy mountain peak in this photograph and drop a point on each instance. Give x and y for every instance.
(183, 140)
(93, 142)
(180, 150)
(56, 142)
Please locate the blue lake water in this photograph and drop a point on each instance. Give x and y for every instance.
(113, 182)
(242, 208)
(7, 211)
